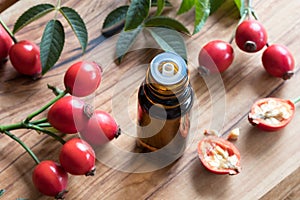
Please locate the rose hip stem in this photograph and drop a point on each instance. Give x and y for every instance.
(8, 31)
(15, 138)
(296, 100)
(40, 124)
(45, 107)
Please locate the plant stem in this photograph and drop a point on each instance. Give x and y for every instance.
(39, 121)
(15, 138)
(243, 17)
(8, 31)
(45, 125)
(296, 100)
(32, 126)
(10, 127)
(32, 115)
(48, 132)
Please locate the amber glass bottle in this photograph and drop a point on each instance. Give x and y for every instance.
(165, 99)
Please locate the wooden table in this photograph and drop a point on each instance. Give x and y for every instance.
(270, 161)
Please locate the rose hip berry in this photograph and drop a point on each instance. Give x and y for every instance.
(50, 179)
(219, 156)
(278, 61)
(100, 129)
(67, 114)
(25, 58)
(251, 36)
(82, 78)
(5, 43)
(77, 157)
(215, 56)
(271, 114)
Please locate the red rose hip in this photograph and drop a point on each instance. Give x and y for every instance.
(25, 58)
(82, 78)
(77, 157)
(216, 56)
(278, 61)
(68, 114)
(5, 43)
(100, 129)
(219, 156)
(50, 179)
(251, 36)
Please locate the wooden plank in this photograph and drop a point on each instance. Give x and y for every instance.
(221, 103)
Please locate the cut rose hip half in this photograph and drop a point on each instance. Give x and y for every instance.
(219, 156)
(271, 114)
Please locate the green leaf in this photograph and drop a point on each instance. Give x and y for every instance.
(31, 15)
(154, 3)
(163, 21)
(202, 9)
(115, 17)
(240, 5)
(185, 6)
(125, 41)
(169, 40)
(52, 43)
(215, 4)
(77, 24)
(137, 12)
(160, 7)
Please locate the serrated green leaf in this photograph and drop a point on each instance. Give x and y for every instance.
(240, 5)
(52, 43)
(116, 16)
(137, 12)
(169, 40)
(215, 4)
(125, 41)
(163, 21)
(154, 3)
(77, 24)
(202, 9)
(185, 6)
(160, 7)
(31, 15)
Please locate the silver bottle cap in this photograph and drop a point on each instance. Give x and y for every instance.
(168, 68)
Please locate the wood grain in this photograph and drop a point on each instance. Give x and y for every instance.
(270, 161)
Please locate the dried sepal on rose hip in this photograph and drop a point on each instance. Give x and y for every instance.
(271, 114)
(219, 156)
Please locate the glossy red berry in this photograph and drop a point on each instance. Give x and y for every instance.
(77, 157)
(251, 36)
(5, 43)
(215, 56)
(82, 78)
(278, 61)
(67, 114)
(25, 58)
(50, 179)
(100, 129)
